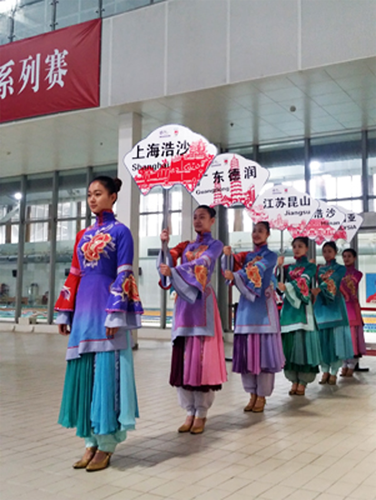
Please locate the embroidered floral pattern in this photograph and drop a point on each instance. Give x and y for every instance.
(253, 274)
(93, 249)
(201, 275)
(130, 289)
(303, 287)
(349, 281)
(296, 273)
(196, 254)
(331, 286)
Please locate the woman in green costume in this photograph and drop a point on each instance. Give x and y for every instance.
(300, 339)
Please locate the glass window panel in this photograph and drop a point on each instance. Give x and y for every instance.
(176, 198)
(175, 228)
(10, 199)
(33, 17)
(336, 167)
(153, 201)
(112, 7)
(37, 232)
(285, 163)
(372, 162)
(355, 205)
(71, 12)
(35, 286)
(38, 197)
(4, 29)
(72, 194)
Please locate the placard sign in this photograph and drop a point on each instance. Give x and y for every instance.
(284, 208)
(230, 179)
(170, 155)
(325, 222)
(349, 227)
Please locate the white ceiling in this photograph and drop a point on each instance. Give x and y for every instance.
(333, 99)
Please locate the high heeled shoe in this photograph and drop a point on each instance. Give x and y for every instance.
(251, 403)
(94, 465)
(186, 427)
(259, 405)
(86, 459)
(198, 428)
(300, 390)
(324, 378)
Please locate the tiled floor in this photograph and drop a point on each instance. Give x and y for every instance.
(320, 447)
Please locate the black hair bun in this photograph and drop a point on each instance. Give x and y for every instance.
(118, 183)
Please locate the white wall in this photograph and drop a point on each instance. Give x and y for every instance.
(186, 45)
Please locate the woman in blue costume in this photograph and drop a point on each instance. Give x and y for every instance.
(258, 353)
(98, 306)
(300, 338)
(331, 316)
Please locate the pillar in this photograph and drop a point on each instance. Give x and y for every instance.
(128, 204)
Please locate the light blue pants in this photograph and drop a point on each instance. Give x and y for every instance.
(106, 442)
(333, 368)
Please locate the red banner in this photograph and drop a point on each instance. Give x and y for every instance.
(50, 73)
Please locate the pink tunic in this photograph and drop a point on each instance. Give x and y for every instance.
(349, 289)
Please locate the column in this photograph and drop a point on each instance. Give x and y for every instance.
(128, 204)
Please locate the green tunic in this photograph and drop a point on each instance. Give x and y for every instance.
(301, 343)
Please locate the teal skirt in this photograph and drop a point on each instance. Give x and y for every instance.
(302, 351)
(99, 395)
(336, 344)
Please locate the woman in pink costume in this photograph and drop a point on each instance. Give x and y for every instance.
(349, 289)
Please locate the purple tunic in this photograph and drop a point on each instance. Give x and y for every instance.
(198, 360)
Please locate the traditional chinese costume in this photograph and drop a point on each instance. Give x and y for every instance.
(198, 361)
(349, 288)
(300, 338)
(258, 353)
(331, 318)
(99, 397)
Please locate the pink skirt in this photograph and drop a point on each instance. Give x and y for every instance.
(357, 337)
(198, 362)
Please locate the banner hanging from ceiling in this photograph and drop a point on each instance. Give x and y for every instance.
(50, 73)
(170, 155)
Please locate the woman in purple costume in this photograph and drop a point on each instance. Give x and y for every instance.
(98, 306)
(198, 360)
(258, 353)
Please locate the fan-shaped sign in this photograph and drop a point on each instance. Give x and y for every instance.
(284, 208)
(349, 227)
(231, 179)
(170, 155)
(325, 222)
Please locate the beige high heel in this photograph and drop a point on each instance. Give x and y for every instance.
(86, 459)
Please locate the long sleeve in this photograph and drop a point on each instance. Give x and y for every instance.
(252, 274)
(330, 281)
(298, 288)
(349, 286)
(67, 298)
(124, 297)
(172, 257)
(197, 272)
